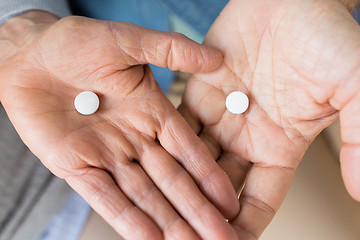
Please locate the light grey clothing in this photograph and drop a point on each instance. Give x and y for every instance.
(9, 8)
(29, 194)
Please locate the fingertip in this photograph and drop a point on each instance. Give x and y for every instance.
(350, 169)
(216, 226)
(355, 196)
(186, 55)
(169, 50)
(224, 196)
(212, 57)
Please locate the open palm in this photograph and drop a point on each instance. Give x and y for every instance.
(135, 159)
(297, 61)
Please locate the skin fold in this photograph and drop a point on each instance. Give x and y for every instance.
(136, 160)
(298, 61)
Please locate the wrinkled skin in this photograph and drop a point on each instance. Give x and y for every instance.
(136, 161)
(298, 61)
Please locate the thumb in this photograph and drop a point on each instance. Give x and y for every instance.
(168, 50)
(350, 152)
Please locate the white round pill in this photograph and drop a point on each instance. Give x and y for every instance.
(87, 103)
(237, 102)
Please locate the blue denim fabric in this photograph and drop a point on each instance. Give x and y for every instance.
(68, 223)
(357, 14)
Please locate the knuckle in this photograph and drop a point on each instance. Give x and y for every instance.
(178, 36)
(172, 227)
(71, 21)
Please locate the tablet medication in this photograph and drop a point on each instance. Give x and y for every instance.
(237, 102)
(87, 103)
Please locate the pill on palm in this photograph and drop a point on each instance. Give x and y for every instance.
(237, 102)
(87, 103)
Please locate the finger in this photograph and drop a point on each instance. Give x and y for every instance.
(350, 169)
(140, 189)
(118, 154)
(99, 189)
(265, 189)
(210, 143)
(350, 152)
(168, 50)
(180, 189)
(230, 167)
(233, 164)
(236, 168)
(185, 146)
(191, 119)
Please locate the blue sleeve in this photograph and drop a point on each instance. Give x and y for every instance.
(10, 8)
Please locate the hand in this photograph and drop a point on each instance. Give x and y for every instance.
(298, 61)
(135, 159)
